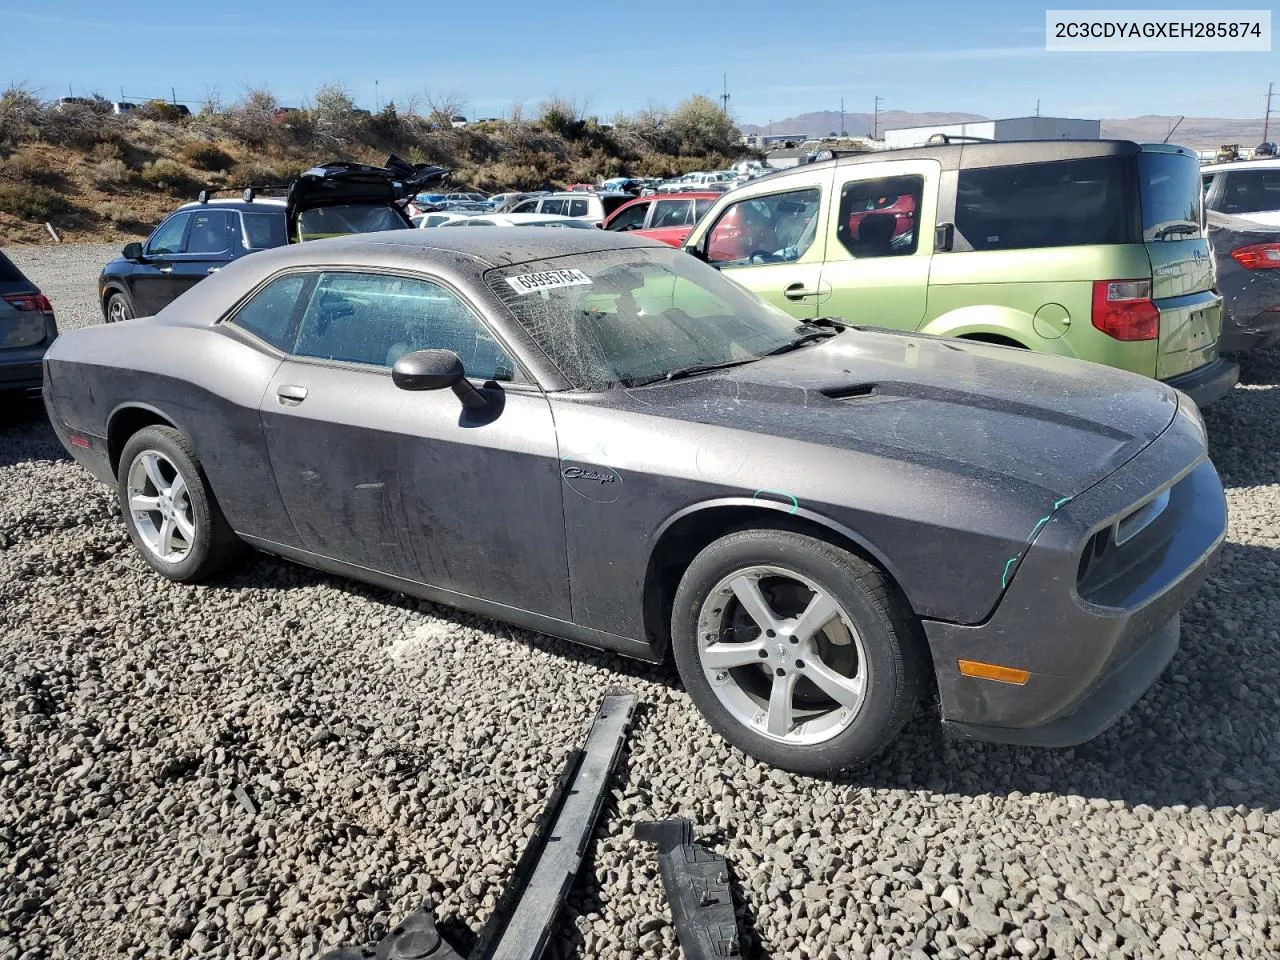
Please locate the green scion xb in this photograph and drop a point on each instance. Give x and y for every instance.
(1094, 249)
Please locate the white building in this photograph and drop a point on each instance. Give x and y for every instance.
(1014, 128)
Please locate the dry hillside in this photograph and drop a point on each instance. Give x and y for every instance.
(97, 176)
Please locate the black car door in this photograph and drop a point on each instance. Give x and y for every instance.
(212, 241)
(150, 279)
(409, 483)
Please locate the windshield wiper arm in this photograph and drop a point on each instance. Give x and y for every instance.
(802, 340)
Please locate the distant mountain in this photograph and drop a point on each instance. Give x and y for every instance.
(826, 122)
(1201, 133)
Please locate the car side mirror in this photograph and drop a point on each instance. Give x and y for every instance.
(435, 370)
(132, 251)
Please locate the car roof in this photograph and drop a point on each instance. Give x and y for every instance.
(681, 195)
(410, 248)
(575, 194)
(524, 217)
(952, 156)
(1271, 163)
(229, 204)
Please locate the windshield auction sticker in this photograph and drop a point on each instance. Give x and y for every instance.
(1151, 30)
(548, 280)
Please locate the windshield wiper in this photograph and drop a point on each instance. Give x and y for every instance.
(1175, 228)
(681, 372)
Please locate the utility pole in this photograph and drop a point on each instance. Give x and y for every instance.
(1266, 120)
(875, 123)
(173, 95)
(724, 97)
(1037, 106)
(842, 132)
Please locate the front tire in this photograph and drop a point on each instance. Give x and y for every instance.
(799, 653)
(118, 308)
(169, 509)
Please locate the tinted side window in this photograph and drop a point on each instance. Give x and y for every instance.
(269, 313)
(1057, 204)
(374, 319)
(1250, 191)
(700, 208)
(672, 213)
(558, 206)
(878, 217)
(578, 208)
(211, 232)
(630, 219)
(772, 229)
(168, 236)
(528, 206)
(264, 230)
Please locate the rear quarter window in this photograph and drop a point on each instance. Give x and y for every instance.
(1172, 193)
(1057, 204)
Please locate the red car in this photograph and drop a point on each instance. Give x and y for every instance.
(902, 206)
(580, 188)
(667, 217)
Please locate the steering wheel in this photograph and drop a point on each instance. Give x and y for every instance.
(763, 256)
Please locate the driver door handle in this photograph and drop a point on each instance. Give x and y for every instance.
(291, 395)
(168, 268)
(213, 270)
(798, 291)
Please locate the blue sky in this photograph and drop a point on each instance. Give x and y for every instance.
(983, 56)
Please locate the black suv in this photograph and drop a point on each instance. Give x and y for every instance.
(200, 237)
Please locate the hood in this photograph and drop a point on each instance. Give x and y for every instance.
(1266, 218)
(992, 413)
(342, 183)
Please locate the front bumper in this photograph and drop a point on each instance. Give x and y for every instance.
(1090, 657)
(1208, 384)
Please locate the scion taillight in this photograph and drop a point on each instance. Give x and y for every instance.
(1123, 309)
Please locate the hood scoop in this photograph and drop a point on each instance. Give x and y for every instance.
(857, 391)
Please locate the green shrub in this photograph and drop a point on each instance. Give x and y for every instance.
(28, 201)
(26, 166)
(111, 173)
(254, 173)
(205, 156)
(159, 110)
(118, 212)
(166, 174)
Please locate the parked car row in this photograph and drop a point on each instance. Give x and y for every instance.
(1095, 250)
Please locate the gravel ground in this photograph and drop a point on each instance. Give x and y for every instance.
(287, 760)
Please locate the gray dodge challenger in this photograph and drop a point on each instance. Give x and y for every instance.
(601, 438)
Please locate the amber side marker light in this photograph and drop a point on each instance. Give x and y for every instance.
(993, 671)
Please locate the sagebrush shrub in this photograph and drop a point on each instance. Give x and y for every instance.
(111, 173)
(29, 201)
(166, 174)
(206, 156)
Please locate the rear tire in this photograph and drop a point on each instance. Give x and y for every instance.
(118, 308)
(800, 653)
(169, 509)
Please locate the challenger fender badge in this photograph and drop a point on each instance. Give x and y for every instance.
(593, 482)
(578, 473)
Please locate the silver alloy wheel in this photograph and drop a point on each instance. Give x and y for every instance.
(116, 310)
(161, 506)
(782, 655)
